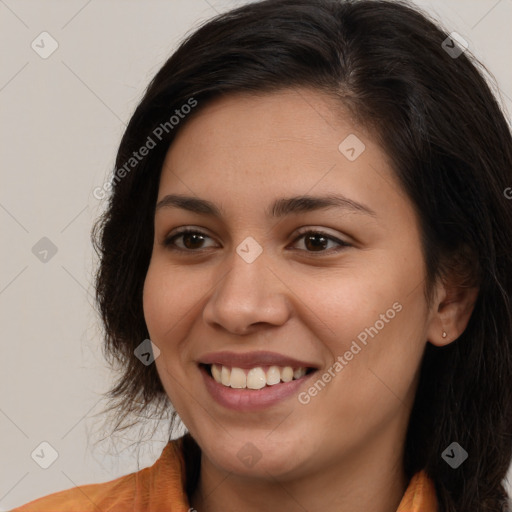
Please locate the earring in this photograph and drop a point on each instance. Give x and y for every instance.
(444, 334)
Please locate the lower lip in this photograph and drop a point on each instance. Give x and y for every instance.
(251, 399)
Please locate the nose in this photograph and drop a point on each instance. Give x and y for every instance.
(247, 296)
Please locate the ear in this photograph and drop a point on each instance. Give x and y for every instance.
(450, 312)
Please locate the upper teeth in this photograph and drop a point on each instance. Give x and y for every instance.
(255, 378)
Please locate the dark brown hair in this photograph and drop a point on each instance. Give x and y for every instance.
(451, 149)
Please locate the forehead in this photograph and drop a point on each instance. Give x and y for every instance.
(240, 121)
(293, 142)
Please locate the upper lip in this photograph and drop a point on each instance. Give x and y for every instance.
(253, 359)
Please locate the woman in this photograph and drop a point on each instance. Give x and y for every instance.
(309, 220)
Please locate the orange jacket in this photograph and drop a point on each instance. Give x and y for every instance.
(159, 488)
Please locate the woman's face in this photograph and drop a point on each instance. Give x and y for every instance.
(267, 282)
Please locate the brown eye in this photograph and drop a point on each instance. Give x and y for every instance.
(192, 240)
(317, 241)
(314, 241)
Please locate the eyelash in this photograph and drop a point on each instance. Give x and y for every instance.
(169, 241)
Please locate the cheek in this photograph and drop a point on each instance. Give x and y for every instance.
(342, 302)
(380, 354)
(374, 313)
(154, 302)
(166, 299)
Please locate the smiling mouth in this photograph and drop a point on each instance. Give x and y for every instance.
(258, 377)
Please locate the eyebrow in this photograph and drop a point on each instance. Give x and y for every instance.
(280, 208)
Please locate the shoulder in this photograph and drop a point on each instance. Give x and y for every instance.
(420, 495)
(159, 484)
(109, 496)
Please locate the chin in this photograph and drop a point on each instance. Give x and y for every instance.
(258, 457)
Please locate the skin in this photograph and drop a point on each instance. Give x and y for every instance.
(343, 450)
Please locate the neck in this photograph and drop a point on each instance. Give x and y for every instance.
(375, 481)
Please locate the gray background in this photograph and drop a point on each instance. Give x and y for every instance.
(62, 120)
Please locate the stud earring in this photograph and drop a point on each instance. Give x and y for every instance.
(444, 334)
